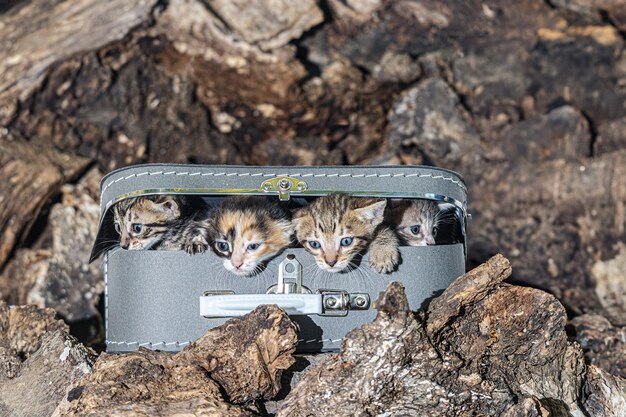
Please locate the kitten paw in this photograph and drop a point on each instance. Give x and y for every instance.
(193, 249)
(384, 259)
(197, 245)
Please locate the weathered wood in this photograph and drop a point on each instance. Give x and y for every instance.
(604, 344)
(565, 216)
(39, 361)
(503, 351)
(28, 50)
(30, 176)
(56, 273)
(238, 362)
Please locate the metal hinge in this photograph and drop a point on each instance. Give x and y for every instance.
(339, 302)
(284, 187)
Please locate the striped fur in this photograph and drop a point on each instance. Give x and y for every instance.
(416, 221)
(337, 228)
(161, 222)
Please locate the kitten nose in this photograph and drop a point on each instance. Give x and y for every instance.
(236, 263)
(331, 263)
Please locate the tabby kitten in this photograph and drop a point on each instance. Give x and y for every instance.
(162, 222)
(336, 228)
(249, 231)
(417, 221)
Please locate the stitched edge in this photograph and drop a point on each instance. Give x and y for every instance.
(148, 344)
(152, 344)
(246, 174)
(106, 296)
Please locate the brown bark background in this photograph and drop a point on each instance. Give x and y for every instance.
(525, 99)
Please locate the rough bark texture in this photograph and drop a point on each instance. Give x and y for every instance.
(604, 345)
(57, 273)
(30, 176)
(238, 362)
(525, 99)
(499, 91)
(482, 348)
(39, 361)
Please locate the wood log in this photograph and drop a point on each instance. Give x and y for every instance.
(483, 347)
(498, 91)
(238, 362)
(56, 272)
(31, 175)
(28, 50)
(39, 361)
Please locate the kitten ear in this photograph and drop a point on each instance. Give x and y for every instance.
(299, 213)
(169, 206)
(297, 216)
(373, 213)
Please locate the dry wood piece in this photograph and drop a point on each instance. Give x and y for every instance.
(268, 23)
(30, 175)
(563, 217)
(503, 351)
(243, 359)
(604, 345)
(474, 286)
(39, 361)
(56, 273)
(603, 394)
(23, 327)
(28, 50)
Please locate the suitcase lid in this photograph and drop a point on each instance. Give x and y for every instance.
(283, 182)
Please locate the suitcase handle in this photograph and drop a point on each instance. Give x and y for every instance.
(324, 303)
(235, 305)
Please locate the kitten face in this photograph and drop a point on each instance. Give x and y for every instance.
(336, 228)
(247, 232)
(142, 221)
(416, 221)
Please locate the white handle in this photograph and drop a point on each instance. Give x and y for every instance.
(235, 305)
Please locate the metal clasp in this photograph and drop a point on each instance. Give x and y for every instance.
(289, 278)
(284, 186)
(339, 302)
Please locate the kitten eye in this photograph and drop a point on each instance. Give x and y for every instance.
(346, 241)
(253, 246)
(118, 228)
(314, 244)
(415, 229)
(136, 227)
(222, 246)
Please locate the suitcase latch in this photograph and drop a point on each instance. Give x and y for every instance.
(339, 302)
(334, 302)
(288, 293)
(289, 278)
(283, 186)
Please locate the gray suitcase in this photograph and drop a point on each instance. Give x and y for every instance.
(166, 299)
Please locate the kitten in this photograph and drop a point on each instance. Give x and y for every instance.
(162, 222)
(417, 222)
(336, 228)
(249, 231)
